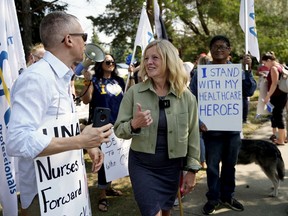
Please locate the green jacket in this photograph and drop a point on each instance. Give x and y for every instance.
(182, 123)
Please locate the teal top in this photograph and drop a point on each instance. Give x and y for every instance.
(182, 123)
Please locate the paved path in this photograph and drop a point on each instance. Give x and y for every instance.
(252, 189)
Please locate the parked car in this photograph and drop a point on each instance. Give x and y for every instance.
(122, 69)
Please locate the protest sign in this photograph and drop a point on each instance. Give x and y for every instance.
(61, 178)
(116, 157)
(220, 96)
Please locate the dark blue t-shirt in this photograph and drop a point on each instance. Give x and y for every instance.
(107, 93)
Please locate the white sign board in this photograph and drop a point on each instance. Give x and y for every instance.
(220, 96)
(116, 157)
(61, 178)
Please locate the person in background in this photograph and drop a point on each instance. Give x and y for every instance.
(286, 111)
(41, 93)
(36, 53)
(160, 115)
(202, 60)
(104, 89)
(72, 84)
(134, 70)
(188, 68)
(262, 72)
(220, 146)
(249, 85)
(202, 56)
(275, 96)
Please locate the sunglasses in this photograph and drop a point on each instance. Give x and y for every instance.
(109, 62)
(83, 35)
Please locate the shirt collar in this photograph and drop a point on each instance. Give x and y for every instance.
(57, 65)
(148, 85)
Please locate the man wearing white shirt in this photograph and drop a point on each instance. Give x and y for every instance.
(43, 92)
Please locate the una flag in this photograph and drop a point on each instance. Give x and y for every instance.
(11, 60)
(144, 32)
(247, 21)
(159, 24)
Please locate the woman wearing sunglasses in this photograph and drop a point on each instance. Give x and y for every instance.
(105, 89)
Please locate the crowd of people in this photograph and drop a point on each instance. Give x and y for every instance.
(158, 112)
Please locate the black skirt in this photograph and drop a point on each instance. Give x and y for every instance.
(154, 177)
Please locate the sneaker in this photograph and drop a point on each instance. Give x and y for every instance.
(210, 207)
(176, 202)
(234, 204)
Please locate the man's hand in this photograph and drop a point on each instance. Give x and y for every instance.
(97, 157)
(93, 137)
(247, 61)
(203, 127)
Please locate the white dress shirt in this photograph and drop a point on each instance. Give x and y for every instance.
(42, 90)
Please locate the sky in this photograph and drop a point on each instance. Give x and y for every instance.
(81, 9)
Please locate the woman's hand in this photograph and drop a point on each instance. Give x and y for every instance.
(141, 118)
(189, 182)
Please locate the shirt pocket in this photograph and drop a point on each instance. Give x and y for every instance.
(182, 128)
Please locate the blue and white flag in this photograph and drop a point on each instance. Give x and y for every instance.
(12, 59)
(159, 24)
(144, 32)
(144, 36)
(248, 25)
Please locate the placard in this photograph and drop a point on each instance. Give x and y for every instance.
(116, 157)
(61, 178)
(220, 96)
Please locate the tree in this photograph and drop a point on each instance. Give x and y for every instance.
(30, 14)
(120, 20)
(189, 23)
(192, 23)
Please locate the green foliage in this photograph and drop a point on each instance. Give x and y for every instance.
(37, 10)
(30, 14)
(191, 24)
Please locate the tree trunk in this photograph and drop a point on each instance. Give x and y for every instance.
(27, 26)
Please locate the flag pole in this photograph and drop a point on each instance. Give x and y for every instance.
(246, 26)
(246, 30)
(130, 73)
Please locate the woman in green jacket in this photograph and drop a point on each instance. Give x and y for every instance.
(160, 115)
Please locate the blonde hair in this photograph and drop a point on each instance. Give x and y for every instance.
(172, 64)
(203, 60)
(35, 54)
(36, 47)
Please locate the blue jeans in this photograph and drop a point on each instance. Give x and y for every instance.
(202, 150)
(221, 147)
(245, 109)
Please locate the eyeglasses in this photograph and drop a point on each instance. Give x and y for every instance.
(220, 48)
(109, 62)
(83, 35)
